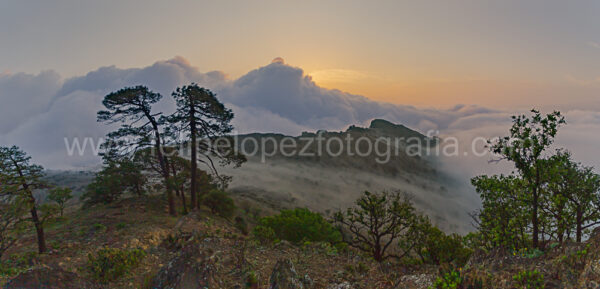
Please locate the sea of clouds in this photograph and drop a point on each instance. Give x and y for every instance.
(38, 112)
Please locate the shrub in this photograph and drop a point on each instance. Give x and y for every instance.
(529, 279)
(219, 203)
(17, 263)
(530, 254)
(264, 234)
(378, 220)
(440, 248)
(109, 264)
(99, 227)
(300, 225)
(449, 280)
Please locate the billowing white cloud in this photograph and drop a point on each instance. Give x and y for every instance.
(24, 95)
(39, 111)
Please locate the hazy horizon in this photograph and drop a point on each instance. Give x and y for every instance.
(459, 68)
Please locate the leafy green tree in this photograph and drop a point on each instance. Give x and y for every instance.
(529, 137)
(301, 224)
(200, 115)
(116, 178)
(106, 187)
(574, 200)
(60, 196)
(140, 127)
(132, 175)
(377, 222)
(504, 219)
(21, 178)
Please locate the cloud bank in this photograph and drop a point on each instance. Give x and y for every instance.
(39, 111)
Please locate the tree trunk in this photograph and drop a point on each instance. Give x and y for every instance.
(579, 224)
(534, 220)
(194, 159)
(179, 191)
(164, 166)
(377, 254)
(185, 210)
(39, 229)
(169, 187)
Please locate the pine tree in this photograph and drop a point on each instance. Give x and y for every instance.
(21, 178)
(141, 128)
(200, 116)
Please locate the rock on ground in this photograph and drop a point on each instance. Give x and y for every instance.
(192, 268)
(284, 276)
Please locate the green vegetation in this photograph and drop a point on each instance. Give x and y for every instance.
(109, 264)
(219, 203)
(297, 226)
(439, 248)
(265, 235)
(380, 222)
(140, 129)
(60, 196)
(200, 115)
(12, 222)
(17, 263)
(450, 280)
(529, 279)
(115, 179)
(548, 191)
(19, 179)
(549, 201)
(529, 138)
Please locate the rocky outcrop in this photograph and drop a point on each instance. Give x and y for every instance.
(284, 276)
(193, 268)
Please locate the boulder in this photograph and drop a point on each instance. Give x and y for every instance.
(284, 276)
(193, 268)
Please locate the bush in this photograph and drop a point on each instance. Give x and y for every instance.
(17, 263)
(110, 263)
(99, 227)
(301, 225)
(448, 281)
(219, 203)
(529, 279)
(264, 234)
(440, 248)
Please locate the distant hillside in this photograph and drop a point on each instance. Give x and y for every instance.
(324, 182)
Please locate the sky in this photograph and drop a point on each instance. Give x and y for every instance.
(504, 54)
(458, 67)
